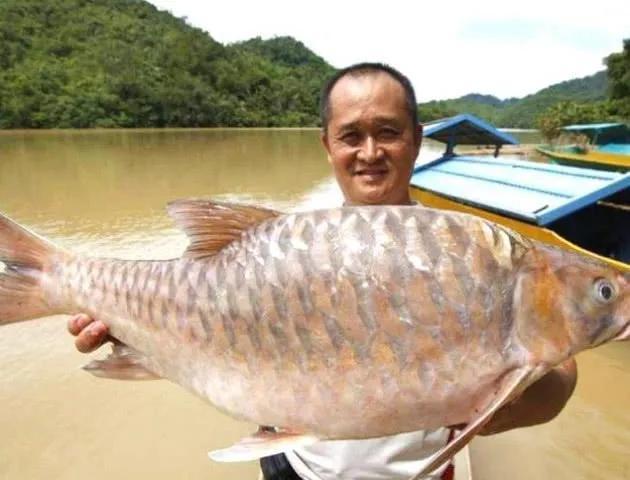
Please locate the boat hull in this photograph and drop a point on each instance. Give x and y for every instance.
(591, 159)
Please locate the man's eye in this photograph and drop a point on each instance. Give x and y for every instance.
(387, 133)
(351, 137)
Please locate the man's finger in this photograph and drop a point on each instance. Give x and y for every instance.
(77, 323)
(91, 338)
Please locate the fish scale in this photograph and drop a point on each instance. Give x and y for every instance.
(361, 321)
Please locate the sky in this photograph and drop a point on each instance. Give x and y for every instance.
(447, 48)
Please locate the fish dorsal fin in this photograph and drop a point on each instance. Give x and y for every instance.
(211, 225)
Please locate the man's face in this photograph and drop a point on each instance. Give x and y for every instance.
(371, 140)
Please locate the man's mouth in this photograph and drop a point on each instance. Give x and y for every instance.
(371, 173)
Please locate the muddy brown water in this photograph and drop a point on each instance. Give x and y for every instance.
(103, 193)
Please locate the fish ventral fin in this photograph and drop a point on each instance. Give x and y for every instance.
(511, 384)
(265, 442)
(124, 363)
(211, 225)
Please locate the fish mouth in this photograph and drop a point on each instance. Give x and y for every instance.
(624, 334)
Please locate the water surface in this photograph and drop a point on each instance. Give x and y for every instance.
(104, 192)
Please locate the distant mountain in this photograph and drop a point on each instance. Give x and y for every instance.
(515, 112)
(483, 99)
(124, 63)
(285, 50)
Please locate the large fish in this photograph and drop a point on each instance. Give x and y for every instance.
(362, 321)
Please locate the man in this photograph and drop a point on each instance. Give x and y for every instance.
(372, 138)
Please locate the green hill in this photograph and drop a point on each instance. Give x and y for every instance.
(521, 112)
(124, 63)
(108, 63)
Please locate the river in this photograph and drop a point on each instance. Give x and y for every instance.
(103, 193)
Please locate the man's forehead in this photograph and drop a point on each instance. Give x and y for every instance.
(364, 84)
(375, 96)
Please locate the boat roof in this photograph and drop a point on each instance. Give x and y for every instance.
(592, 127)
(466, 129)
(601, 133)
(537, 193)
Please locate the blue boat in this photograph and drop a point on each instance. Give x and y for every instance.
(608, 147)
(586, 210)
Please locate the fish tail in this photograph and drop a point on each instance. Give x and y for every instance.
(24, 259)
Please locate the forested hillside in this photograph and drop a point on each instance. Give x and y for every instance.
(123, 63)
(521, 112)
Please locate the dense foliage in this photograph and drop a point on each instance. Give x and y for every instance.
(109, 63)
(124, 63)
(619, 72)
(521, 112)
(619, 76)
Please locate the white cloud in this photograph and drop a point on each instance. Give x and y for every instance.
(447, 48)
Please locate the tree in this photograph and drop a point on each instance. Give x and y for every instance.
(619, 72)
(619, 76)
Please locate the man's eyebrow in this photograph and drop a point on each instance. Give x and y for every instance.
(382, 120)
(387, 120)
(349, 126)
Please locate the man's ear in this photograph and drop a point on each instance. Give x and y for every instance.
(323, 137)
(418, 135)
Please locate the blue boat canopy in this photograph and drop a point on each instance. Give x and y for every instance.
(466, 129)
(601, 133)
(594, 127)
(535, 192)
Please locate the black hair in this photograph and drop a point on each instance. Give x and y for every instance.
(367, 68)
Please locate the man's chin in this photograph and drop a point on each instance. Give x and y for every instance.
(371, 195)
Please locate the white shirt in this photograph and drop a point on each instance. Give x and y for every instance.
(396, 457)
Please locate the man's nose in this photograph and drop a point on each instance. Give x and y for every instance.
(370, 151)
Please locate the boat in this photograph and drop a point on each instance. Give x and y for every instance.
(608, 147)
(580, 209)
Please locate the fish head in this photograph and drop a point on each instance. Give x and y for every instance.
(584, 302)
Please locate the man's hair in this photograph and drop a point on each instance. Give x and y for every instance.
(361, 69)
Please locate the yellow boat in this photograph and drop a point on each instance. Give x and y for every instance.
(608, 147)
(579, 209)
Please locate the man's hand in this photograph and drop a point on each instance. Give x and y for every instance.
(540, 403)
(90, 333)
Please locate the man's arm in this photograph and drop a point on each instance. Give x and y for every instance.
(540, 403)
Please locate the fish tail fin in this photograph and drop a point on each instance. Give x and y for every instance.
(24, 257)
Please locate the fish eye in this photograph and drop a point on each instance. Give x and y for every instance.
(604, 290)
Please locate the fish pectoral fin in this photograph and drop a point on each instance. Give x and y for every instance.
(511, 384)
(263, 443)
(211, 225)
(124, 363)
